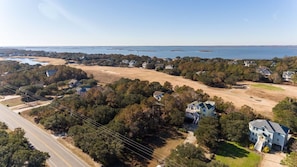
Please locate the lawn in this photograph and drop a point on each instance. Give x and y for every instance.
(236, 156)
(267, 87)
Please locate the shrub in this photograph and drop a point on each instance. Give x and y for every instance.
(266, 149)
(251, 146)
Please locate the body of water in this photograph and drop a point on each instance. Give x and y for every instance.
(226, 52)
(26, 60)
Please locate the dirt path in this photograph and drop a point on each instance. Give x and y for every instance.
(272, 159)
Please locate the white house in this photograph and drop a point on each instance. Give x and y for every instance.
(144, 64)
(158, 95)
(196, 109)
(132, 63)
(249, 63)
(287, 75)
(266, 133)
(169, 67)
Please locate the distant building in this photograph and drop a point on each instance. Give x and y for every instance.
(50, 73)
(233, 62)
(144, 64)
(132, 63)
(249, 63)
(169, 67)
(82, 90)
(287, 75)
(125, 61)
(159, 66)
(158, 95)
(265, 71)
(266, 133)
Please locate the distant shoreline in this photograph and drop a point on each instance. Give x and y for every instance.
(225, 52)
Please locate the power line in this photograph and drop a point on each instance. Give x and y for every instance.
(144, 151)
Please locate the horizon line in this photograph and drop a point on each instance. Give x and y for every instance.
(262, 45)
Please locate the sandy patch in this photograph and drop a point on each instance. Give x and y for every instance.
(8, 97)
(49, 60)
(272, 159)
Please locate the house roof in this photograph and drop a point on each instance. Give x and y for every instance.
(158, 93)
(270, 126)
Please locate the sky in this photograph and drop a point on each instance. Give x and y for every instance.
(147, 22)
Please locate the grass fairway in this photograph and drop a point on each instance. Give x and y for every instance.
(236, 156)
(268, 87)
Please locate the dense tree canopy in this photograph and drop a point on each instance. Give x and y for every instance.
(285, 112)
(207, 132)
(235, 125)
(15, 150)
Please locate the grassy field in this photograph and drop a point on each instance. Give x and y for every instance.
(236, 156)
(12, 102)
(268, 87)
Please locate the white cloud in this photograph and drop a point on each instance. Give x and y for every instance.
(53, 11)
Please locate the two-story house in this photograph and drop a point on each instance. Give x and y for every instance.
(196, 109)
(287, 75)
(266, 133)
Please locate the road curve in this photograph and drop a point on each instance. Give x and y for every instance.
(59, 155)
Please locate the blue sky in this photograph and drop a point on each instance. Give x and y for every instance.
(147, 22)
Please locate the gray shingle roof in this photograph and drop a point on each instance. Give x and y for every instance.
(270, 126)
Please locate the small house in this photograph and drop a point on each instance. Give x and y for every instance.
(287, 75)
(50, 73)
(158, 95)
(169, 67)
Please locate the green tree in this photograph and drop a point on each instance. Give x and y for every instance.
(235, 126)
(207, 132)
(186, 155)
(285, 112)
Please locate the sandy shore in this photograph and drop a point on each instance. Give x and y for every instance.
(261, 100)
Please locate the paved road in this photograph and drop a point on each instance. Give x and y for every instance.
(60, 156)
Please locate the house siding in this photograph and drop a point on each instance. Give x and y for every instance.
(272, 137)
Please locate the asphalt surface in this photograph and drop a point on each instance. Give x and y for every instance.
(60, 156)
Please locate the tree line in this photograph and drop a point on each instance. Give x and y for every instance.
(216, 72)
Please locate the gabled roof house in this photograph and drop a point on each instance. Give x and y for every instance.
(196, 109)
(267, 133)
(158, 95)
